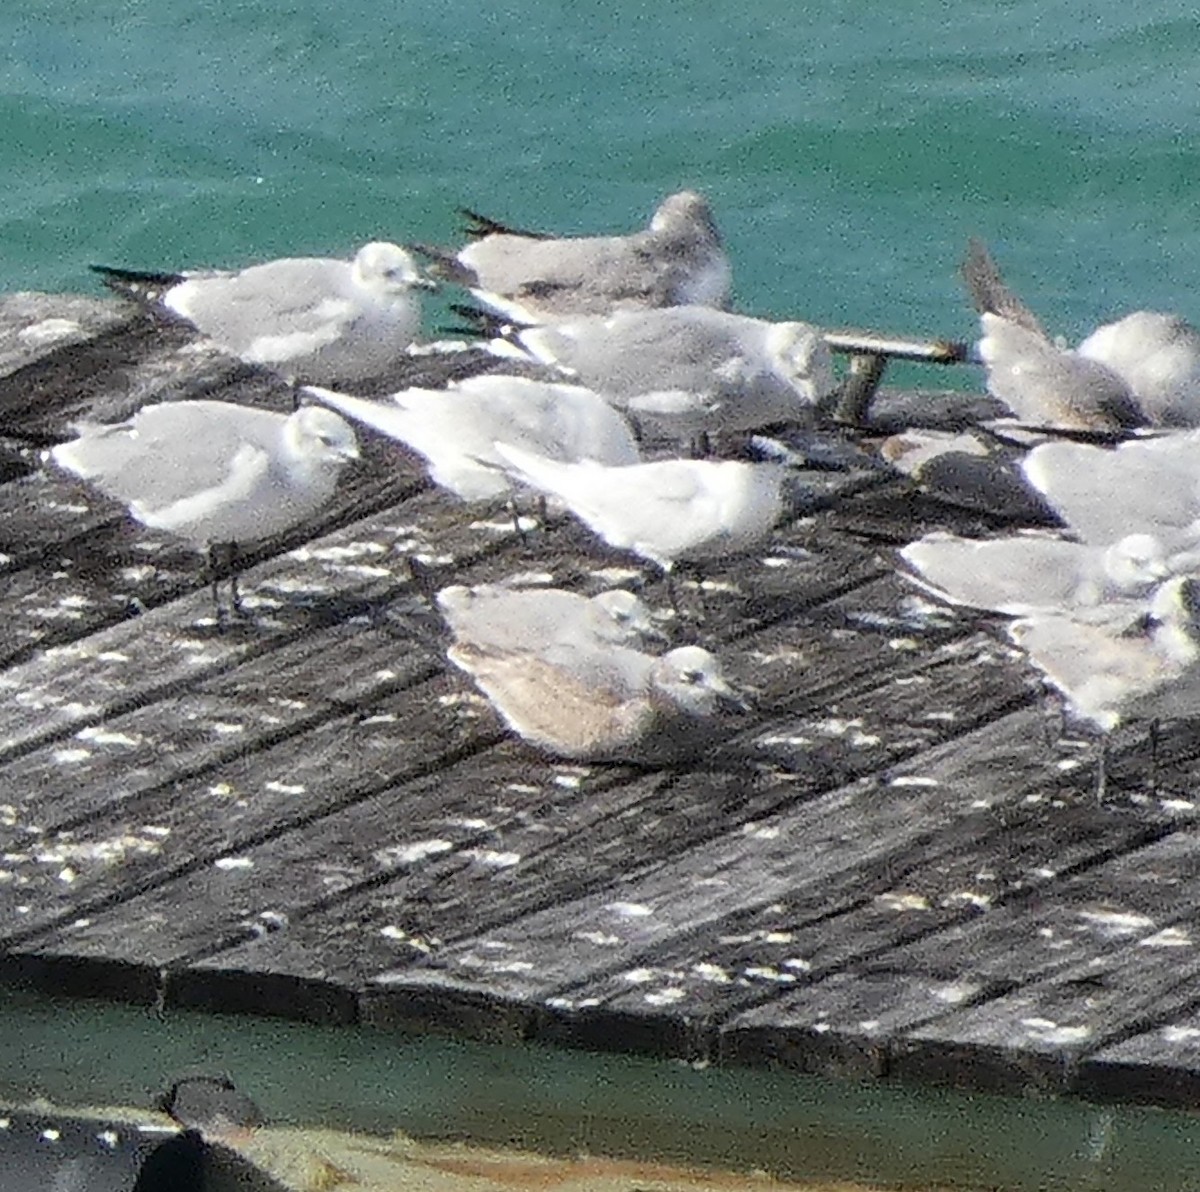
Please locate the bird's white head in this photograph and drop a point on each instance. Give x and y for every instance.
(388, 267)
(803, 358)
(1136, 563)
(693, 680)
(320, 437)
(625, 618)
(686, 214)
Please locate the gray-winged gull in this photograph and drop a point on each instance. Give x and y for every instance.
(1023, 574)
(1138, 663)
(1141, 370)
(531, 619)
(666, 511)
(309, 318)
(692, 369)
(1147, 486)
(678, 259)
(1042, 383)
(213, 473)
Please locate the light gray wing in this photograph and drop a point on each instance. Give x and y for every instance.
(583, 275)
(305, 297)
(1099, 670)
(169, 452)
(1045, 385)
(1015, 576)
(695, 349)
(564, 422)
(1149, 486)
(500, 619)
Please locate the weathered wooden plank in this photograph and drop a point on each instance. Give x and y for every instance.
(864, 915)
(894, 410)
(541, 955)
(225, 811)
(35, 326)
(1110, 956)
(137, 661)
(560, 875)
(229, 715)
(1155, 1067)
(843, 1025)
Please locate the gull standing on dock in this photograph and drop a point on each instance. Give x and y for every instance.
(1135, 510)
(1142, 662)
(1025, 573)
(309, 318)
(690, 369)
(668, 511)
(610, 704)
(456, 428)
(534, 278)
(1149, 486)
(215, 474)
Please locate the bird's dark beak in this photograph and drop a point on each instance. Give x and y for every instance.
(731, 700)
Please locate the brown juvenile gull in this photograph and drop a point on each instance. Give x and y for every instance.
(690, 369)
(215, 474)
(610, 704)
(677, 260)
(309, 318)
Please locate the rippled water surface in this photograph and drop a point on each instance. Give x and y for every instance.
(849, 148)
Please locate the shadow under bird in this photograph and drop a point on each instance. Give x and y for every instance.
(215, 474)
(312, 319)
(678, 259)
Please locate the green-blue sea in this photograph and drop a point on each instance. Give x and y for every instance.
(849, 147)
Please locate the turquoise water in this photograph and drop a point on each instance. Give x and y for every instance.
(848, 147)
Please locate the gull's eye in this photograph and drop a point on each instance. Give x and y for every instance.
(692, 677)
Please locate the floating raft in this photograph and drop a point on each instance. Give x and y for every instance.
(310, 816)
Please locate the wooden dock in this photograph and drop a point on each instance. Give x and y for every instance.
(899, 875)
